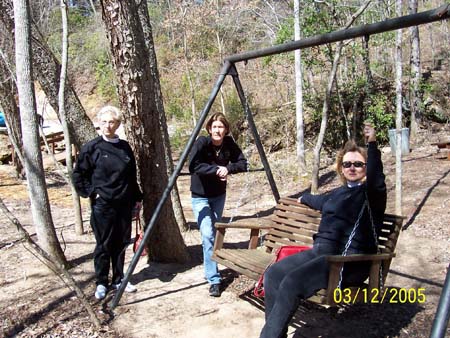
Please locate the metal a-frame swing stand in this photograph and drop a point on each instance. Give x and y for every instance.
(228, 68)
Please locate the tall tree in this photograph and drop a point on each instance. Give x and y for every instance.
(8, 93)
(62, 116)
(141, 102)
(40, 206)
(46, 70)
(148, 36)
(326, 102)
(415, 97)
(299, 91)
(398, 118)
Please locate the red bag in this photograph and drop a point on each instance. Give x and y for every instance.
(282, 252)
(139, 237)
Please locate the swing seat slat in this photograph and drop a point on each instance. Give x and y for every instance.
(292, 223)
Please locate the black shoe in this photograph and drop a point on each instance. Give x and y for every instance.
(214, 290)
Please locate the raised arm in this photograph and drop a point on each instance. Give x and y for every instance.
(375, 178)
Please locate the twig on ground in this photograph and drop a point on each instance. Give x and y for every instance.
(59, 271)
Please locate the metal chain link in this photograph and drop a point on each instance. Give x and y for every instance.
(349, 241)
(352, 234)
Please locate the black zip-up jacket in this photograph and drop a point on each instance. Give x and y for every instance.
(340, 208)
(107, 169)
(205, 159)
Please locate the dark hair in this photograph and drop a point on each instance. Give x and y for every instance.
(218, 117)
(349, 146)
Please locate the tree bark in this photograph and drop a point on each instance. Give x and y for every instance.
(398, 118)
(148, 36)
(46, 70)
(8, 92)
(40, 206)
(142, 106)
(299, 92)
(416, 98)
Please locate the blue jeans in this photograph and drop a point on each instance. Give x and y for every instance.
(207, 212)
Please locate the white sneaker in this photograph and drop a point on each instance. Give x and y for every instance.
(100, 291)
(130, 288)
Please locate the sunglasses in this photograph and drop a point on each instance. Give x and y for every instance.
(356, 164)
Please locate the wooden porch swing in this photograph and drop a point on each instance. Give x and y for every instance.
(293, 223)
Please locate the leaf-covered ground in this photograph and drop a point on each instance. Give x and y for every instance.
(172, 300)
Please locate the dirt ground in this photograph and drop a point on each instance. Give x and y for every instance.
(172, 300)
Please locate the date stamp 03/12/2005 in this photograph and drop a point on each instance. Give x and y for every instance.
(375, 296)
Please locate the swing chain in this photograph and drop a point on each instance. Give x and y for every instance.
(353, 233)
(349, 241)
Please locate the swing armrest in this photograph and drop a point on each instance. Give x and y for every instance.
(255, 225)
(337, 261)
(259, 223)
(360, 257)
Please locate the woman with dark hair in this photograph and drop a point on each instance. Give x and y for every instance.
(344, 214)
(212, 159)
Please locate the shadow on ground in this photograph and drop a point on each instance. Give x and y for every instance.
(351, 321)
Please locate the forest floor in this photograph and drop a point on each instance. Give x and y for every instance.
(172, 300)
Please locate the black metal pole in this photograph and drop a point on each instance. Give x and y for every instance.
(171, 183)
(442, 315)
(440, 13)
(251, 123)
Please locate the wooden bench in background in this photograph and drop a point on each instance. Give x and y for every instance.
(52, 140)
(293, 223)
(443, 145)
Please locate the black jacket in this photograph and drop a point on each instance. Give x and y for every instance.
(107, 169)
(340, 208)
(204, 163)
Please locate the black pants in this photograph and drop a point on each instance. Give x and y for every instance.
(111, 223)
(294, 278)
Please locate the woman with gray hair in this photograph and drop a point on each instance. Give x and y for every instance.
(105, 172)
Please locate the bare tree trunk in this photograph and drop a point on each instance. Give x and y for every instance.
(299, 93)
(326, 104)
(415, 75)
(93, 7)
(62, 116)
(46, 71)
(398, 119)
(323, 124)
(344, 115)
(220, 50)
(40, 206)
(59, 270)
(8, 92)
(141, 101)
(175, 196)
(191, 84)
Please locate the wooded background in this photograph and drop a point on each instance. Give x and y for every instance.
(158, 61)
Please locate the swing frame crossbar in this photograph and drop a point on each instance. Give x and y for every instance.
(229, 68)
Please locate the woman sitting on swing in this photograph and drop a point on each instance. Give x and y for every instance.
(351, 215)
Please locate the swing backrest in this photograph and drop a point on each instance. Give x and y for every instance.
(292, 224)
(295, 224)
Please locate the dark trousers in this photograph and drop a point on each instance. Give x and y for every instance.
(294, 278)
(111, 223)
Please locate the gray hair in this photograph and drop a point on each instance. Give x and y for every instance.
(114, 111)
